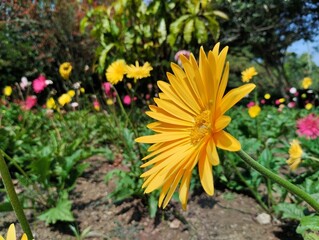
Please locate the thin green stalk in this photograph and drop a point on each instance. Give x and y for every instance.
(41, 199)
(253, 192)
(16, 205)
(283, 182)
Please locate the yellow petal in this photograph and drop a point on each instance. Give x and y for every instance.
(11, 235)
(174, 110)
(184, 188)
(226, 141)
(24, 237)
(172, 189)
(1, 238)
(162, 137)
(172, 95)
(206, 173)
(221, 123)
(223, 84)
(212, 154)
(235, 95)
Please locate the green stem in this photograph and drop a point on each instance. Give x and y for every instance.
(312, 158)
(283, 182)
(16, 205)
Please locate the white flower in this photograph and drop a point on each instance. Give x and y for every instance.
(24, 83)
(293, 90)
(74, 104)
(48, 82)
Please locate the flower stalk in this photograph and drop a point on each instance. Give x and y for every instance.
(16, 205)
(283, 182)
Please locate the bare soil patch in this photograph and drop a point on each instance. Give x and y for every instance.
(226, 216)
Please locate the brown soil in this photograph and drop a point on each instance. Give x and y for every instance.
(226, 216)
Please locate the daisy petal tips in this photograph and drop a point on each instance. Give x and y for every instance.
(190, 125)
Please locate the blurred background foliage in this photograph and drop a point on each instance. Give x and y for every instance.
(37, 36)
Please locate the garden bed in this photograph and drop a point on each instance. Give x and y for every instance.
(227, 215)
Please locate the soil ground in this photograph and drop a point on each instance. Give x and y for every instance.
(225, 216)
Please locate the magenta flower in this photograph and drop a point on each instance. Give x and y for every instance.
(251, 104)
(107, 88)
(127, 100)
(308, 127)
(39, 84)
(30, 102)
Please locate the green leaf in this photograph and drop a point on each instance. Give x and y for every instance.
(175, 28)
(162, 31)
(200, 31)
(308, 223)
(188, 30)
(290, 210)
(103, 55)
(152, 205)
(62, 212)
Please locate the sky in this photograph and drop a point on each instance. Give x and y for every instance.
(301, 47)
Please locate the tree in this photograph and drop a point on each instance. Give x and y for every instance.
(266, 28)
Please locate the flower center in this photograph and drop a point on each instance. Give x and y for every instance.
(201, 127)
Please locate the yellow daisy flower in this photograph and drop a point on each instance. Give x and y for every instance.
(308, 106)
(189, 127)
(254, 111)
(267, 96)
(138, 72)
(11, 234)
(65, 70)
(306, 82)
(115, 72)
(51, 103)
(64, 99)
(295, 153)
(7, 91)
(248, 74)
(71, 93)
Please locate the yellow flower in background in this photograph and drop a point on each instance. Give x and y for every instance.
(138, 72)
(11, 234)
(308, 106)
(109, 102)
(115, 72)
(64, 99)
(295, 154)
(306, 82)
(65, 70)
(281, 100)
(82, 90)
(190, 114)
(7, 91)
(51, 103)
(71, 93)
(267, 96)
(248, 74)
(254, 111)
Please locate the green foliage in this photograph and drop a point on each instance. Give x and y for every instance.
(309, 227)
(46, 154)
(37, 37)
(61, 212)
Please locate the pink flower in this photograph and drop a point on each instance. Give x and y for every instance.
(250, 104)
(308, 126)
(127, 100)
(262, 101)
(39, 84)
(30, 102)
(291, 104)
(107, 88)
(96, 105)
(179, 53)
